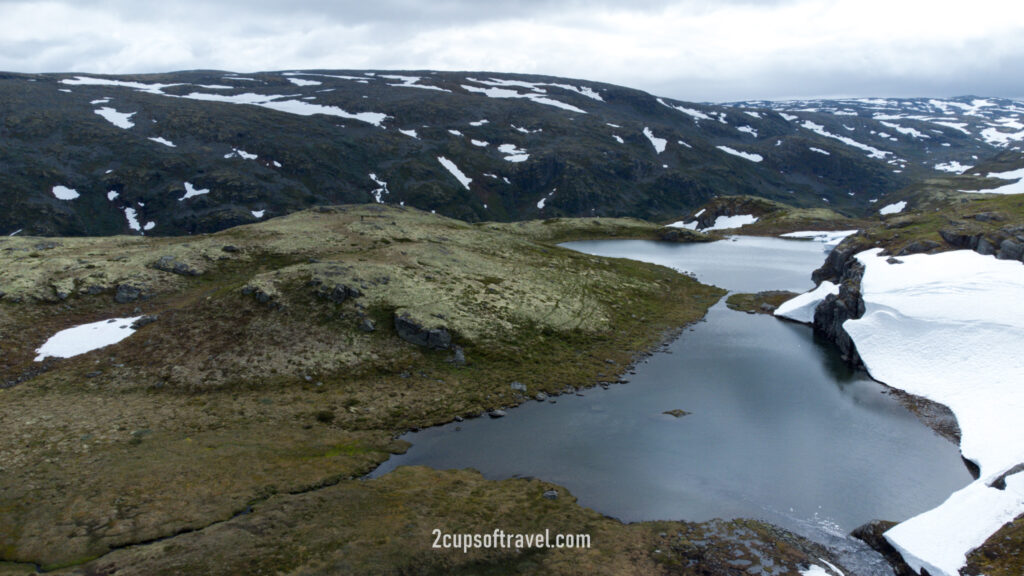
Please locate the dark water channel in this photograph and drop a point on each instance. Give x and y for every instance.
(780, 428)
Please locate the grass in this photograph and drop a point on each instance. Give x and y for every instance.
(226, 400)
(760, 303)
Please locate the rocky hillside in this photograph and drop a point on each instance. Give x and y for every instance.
(201, 151)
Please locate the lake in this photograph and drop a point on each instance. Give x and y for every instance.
(780, 428)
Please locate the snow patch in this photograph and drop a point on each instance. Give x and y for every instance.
(749, 130)
(163, 141)
(133, 221)
(820, 129)
(411, 82)
(618, 139)
(819, 151)
(658, 143)
(801, 308)
(745, 155)
(480, 143)
(454, 170)
(65, 193)
(119, 119)
(829, 237)
(953, 166)
(512, 153)
(301, 82)
(191, 191)
(112, 195)
(533, 97)
(257, 213)
(380, 190)
(86, 338)
(905, 130)
(696, 114)
(410, 133)
(726, 222)
(894, 208)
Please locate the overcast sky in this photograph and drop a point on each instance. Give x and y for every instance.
(687, 49)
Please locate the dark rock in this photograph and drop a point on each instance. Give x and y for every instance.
(989, 217)
(834, 310)
(1000, 483)
(985, 247)
(551, 494)
(892, 260)
(496, 413)
(229, 248)
(337, 293)
(1010, 249)
(94, 290)
(170, 264)
(918, 247)
(413, 332)
(145, 321)
(93, 374)
(367, 325)
(127, 293)
(677, 413)
(958, 238)
(871, 534)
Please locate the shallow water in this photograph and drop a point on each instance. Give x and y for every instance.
(780, 428)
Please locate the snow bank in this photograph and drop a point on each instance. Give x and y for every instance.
(1012, 188)
(827, 237)
(726, 222)
(801, 308)
(86, 338)
(948, 327)
(681, 224)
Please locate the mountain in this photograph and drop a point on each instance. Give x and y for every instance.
(201, 151)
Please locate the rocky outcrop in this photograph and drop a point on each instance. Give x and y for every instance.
(414, 332)
(842, 268)
(1005, 244)
(872, 535)
(175, 266)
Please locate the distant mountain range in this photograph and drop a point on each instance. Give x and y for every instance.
(199, 151)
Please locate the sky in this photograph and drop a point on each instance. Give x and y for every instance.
(694, 50)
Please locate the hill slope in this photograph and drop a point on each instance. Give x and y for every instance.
(201, 151)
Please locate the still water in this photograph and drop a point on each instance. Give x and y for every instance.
(780, 429)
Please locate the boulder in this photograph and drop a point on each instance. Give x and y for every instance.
(1011, 249)
(127, 293)
(413, 332)
(144, 321)
(172, 265)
